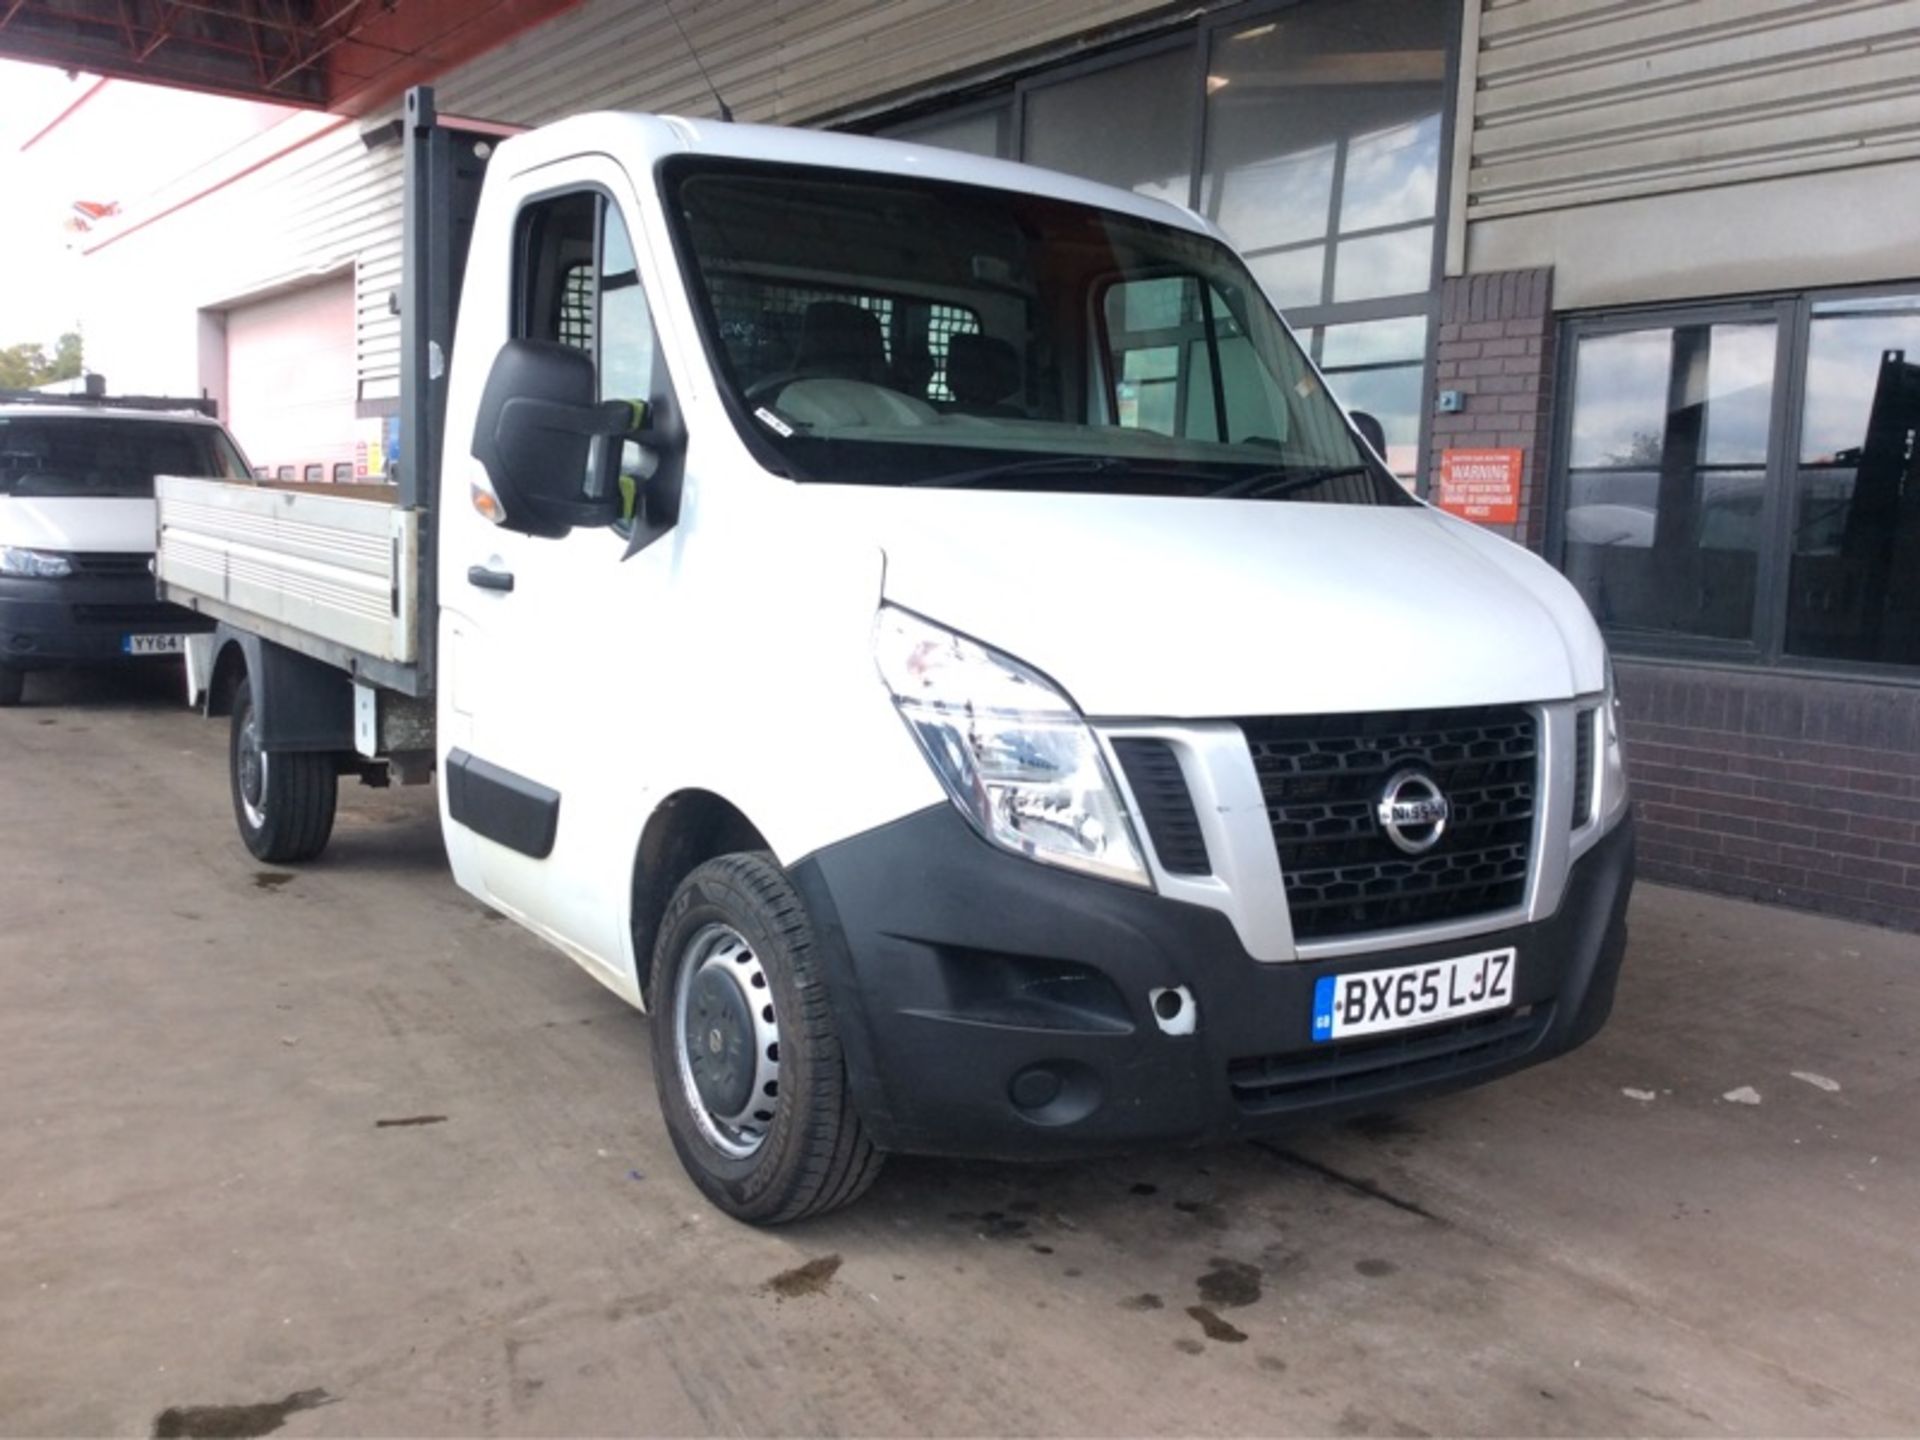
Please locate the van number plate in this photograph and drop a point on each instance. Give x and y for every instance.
(1376, 1001)
(153, 644)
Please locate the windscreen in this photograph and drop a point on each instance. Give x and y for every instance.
(895, 331)
(77, 455)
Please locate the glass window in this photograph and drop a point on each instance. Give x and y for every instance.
(1323, 141)
(47, 455)
(1668, 475)
(1129, 125)
(578, 283)
(1294, 279)
(1379, 366)
(1184, 366)
(1399, 262)
(626, 327)
(1853, 590)
(984, 132)
(1085, 349)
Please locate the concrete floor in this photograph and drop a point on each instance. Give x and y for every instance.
(201, 1207)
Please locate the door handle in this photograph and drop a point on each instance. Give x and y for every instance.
(485, 579)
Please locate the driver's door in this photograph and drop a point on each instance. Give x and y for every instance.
(545, 636)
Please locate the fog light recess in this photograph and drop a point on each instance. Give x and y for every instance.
(1055, 1092)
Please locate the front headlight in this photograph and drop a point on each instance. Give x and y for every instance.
(1012, 751)
(1613, 760)
(37, 564)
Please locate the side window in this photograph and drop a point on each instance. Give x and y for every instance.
(626, 338)
(1180, 363)
(579, 285)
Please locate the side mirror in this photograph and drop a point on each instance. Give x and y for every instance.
(551, 452)
(1371, 431)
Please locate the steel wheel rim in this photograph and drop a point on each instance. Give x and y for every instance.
(253, 771)
(716, 967)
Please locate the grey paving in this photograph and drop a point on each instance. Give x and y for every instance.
(200, 1207)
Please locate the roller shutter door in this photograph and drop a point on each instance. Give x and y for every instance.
(290, 377)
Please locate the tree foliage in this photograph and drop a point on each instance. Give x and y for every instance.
(26, 365)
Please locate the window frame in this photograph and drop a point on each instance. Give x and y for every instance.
(520, 296)
(1792, 313)
(1198, 36)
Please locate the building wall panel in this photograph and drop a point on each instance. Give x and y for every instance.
(1640, 146)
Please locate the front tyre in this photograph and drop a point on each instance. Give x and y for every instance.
(283, 801)
(745, 1059)
(13, 685)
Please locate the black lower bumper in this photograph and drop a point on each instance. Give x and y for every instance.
(81, 620)
(993, 1007)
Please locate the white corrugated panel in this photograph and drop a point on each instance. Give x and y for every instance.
(290, 376)
(1581, 102)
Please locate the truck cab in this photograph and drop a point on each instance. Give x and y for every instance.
(77, 527)
(922, 628)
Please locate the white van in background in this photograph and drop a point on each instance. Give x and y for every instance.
(77, 526)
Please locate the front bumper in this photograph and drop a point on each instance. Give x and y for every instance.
(83, 620)
(962, 977)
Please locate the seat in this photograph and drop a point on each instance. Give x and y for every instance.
(843, 341)
(982, 372)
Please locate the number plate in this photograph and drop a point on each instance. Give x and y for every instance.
(1346, 1006)
(153, 644)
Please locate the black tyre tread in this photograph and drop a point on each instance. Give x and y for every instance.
(841, 1162)
(838, 1162)
(13, 685)
(303, 792)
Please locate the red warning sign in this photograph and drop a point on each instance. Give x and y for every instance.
(1481, 485)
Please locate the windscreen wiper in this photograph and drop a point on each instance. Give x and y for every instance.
(1023, 469)
(1285, 480)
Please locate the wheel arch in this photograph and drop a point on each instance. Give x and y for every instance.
(229, 669)
(303, 703)
(685, 830)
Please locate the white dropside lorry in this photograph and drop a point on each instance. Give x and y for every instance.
(921, 627)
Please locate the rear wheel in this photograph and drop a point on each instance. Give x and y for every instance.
(283, 801)
(745, 1058)
(13, 684)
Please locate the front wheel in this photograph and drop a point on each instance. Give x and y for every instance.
(13, 685)
(745, 1058)
(283, 801)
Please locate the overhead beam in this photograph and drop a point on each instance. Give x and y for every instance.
(345, 56)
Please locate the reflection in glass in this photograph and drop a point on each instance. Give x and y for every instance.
(1667, 486)
(1291, 277)
(1399, 262)
(1854, 583)
(1393, 176)
(1374, 342)
(1391, 394)
(1324, 123)
(1278, 200)
(981, 133)
(1130, 126)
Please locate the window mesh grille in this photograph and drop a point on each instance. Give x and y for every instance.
(576, 308)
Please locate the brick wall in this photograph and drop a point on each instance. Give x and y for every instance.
(1495, 345)
(1785, 788)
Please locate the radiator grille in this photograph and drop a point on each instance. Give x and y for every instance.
(1322, 777)
(111, 565)
(1359, 1068)
(157, 615)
